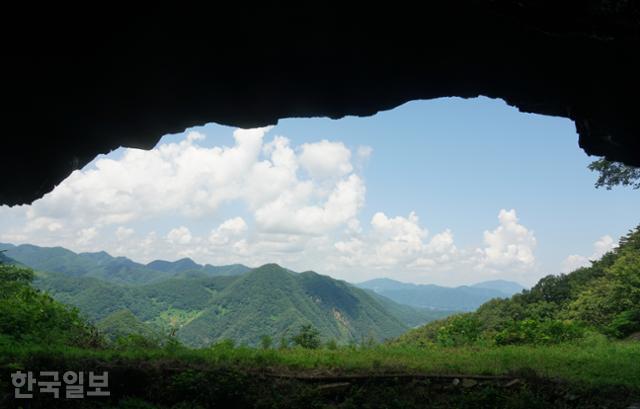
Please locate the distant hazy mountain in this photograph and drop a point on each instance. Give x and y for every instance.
(269, 300)
(508, 287)
(464, 298)
(6, 260)
(106, 267)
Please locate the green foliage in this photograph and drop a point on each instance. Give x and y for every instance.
(135, 341)
(307, 337)
(266, 342)
(123, 323)
(614, 174)
(531, 331)
(624, 323)
(331, 345)
(284, 341)
(459, 330)
(27, 315)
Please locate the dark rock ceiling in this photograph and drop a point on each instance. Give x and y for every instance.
(77, 83)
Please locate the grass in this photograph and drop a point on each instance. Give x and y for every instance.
(604, 364)
(591, 376)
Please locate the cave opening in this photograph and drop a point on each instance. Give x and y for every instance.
(447, 191)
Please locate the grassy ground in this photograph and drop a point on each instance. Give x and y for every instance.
(615, 363)
(173, 374)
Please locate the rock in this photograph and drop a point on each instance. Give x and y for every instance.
(74, 88)
(469, 383)
(513, 382)
(333, 387)
(634, 337)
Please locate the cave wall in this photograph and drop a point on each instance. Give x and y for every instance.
(77, 85)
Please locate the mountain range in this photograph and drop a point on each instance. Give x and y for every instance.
(103, 266)
(205, 304)
(463, 298)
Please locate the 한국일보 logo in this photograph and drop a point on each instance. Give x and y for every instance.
(50, 382)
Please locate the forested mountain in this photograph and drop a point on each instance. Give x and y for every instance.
(273, 301)
(463, 298)
(269, 300)
(602, 298)
(112, 269)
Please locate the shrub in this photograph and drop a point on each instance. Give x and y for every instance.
(266, 342)
(308, 337)
(331, 344)
(624, 323)
(462, 329)
(135, 341)
(540, 332)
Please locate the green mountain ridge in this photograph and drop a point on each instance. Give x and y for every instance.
(272, 301)
(269, 300)
(101, 265)
(203, 304)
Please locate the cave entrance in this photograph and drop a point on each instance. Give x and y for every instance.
(449, 191)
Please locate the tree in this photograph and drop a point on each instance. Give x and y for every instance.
(308, 337)
(30, 316)
(615, 173)
(266, 342)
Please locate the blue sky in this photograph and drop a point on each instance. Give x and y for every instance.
(456, 164)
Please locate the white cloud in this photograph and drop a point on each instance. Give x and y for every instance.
(227, 231)
(123, 233)
(574, 262)
(601, 246)
(510, 245)
(401, 247)
(288, 200)
(326, 159)
(291, 212)
(179, 235)
(296, 205)
(364, 152)
(86, 235)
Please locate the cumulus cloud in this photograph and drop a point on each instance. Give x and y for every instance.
(601, 246)
(285, 215)
(179, 235)
(227, 231)
(401, 246)
(86, 235)
(510, 245)
(389, 242)
(325, 159)
(123, 233)
(258, 200)
(288, 195)
(574, 262)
